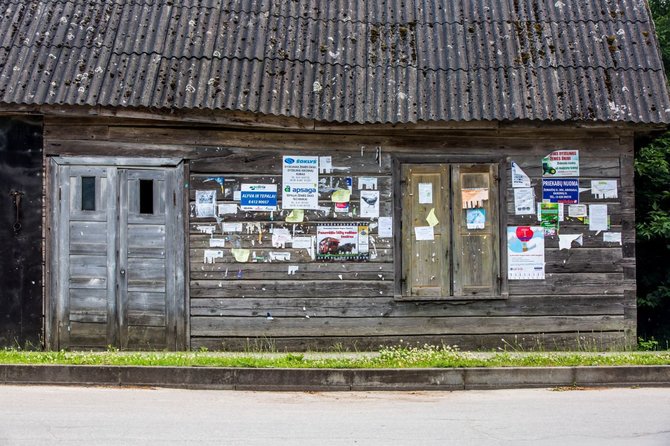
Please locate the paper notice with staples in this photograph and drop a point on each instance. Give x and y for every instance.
(524, 201)
(367, 183)
(385, 229)
(425, 193)
(577, 211)
(604, 188)
(598, 217)
(519, 177)
(424, 233)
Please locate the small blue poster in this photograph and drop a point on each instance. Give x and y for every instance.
(258, 197)
(476, 218)
(556, 190)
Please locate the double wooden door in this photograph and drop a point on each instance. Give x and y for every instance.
(116, 256)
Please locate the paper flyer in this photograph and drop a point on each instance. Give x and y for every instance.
(519, 177)
(300, 182)
(431, 218)
(369, 183)
(612, 237)
(525, 253)
(475, 218)
(424, 233)
(565, 240)
(425, 193)
(205, 203)
(602, 189)
(577, 211)
(342, 242)
(524, 201)
(369, 204)
(258, 197)
(385, 229)
(549, 218)
(598, 217)
(561, 163)
(474, 198)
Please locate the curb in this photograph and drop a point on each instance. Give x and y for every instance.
(336, 379)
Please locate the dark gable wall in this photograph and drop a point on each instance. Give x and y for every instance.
(21, 258)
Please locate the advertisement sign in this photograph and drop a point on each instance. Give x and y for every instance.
(525, 253)
(342, 242)
(561, 163)
(560, 190)
(300, 179)
(258, 197)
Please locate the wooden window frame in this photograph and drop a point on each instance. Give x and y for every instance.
(503, 164)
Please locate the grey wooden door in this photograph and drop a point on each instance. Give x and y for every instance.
(119, 247)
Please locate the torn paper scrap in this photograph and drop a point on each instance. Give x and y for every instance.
(369, 183)
(231, 227)
(227, 208)
(216, 242)
(237, 195)
(302, 242)
(577, 211)
(210, 255)
(431, 218)
(604, 188)
(340, 196)
(385, 227)
(341, 208)
(519, 177)
(612, 237)
(280, 237)
(295, 216)
(208, 229)
(598, 217)
(524, 201)
(474, 198)
(280, 256)
(325, 164)
(425, 193)
(241, 255)
(565, 240)
(424, 233)
(292, 269)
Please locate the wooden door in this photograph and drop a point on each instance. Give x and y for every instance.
(117, 246)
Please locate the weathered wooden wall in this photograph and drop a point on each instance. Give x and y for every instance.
(588, 296)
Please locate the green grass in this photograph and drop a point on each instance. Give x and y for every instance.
(393, 357)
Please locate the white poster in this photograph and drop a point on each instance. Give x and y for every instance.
(369, 204)
(519, 177)
(424, 233)
(524, 201)
(300, 180)
(598, 217)
(228, 208)
(577, 211)
(205, 203)
(385, 229)
(525, 253)
(425, 193)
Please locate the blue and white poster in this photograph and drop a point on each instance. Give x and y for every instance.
(300, 182)
(560, 190)
(258, 197)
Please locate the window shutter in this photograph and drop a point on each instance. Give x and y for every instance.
(426, 268)
(476, 258)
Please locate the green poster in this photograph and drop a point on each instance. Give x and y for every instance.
(549, 218)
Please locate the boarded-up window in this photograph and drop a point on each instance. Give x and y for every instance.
(450, 231)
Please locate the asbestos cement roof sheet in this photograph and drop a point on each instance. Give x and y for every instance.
(340, 60)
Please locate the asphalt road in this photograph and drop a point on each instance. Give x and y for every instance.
(120, 416)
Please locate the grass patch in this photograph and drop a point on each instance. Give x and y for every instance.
(392, 357)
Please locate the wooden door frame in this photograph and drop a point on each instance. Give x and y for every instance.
(52, 323)
(398, 160)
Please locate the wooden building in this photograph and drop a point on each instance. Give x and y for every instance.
(349, 174)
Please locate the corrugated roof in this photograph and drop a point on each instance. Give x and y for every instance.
(393, 61)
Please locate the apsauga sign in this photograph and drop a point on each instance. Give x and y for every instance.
(300, 179)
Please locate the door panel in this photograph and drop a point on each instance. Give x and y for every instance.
(117, 278)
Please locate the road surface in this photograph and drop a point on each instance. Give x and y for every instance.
(120, 416)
